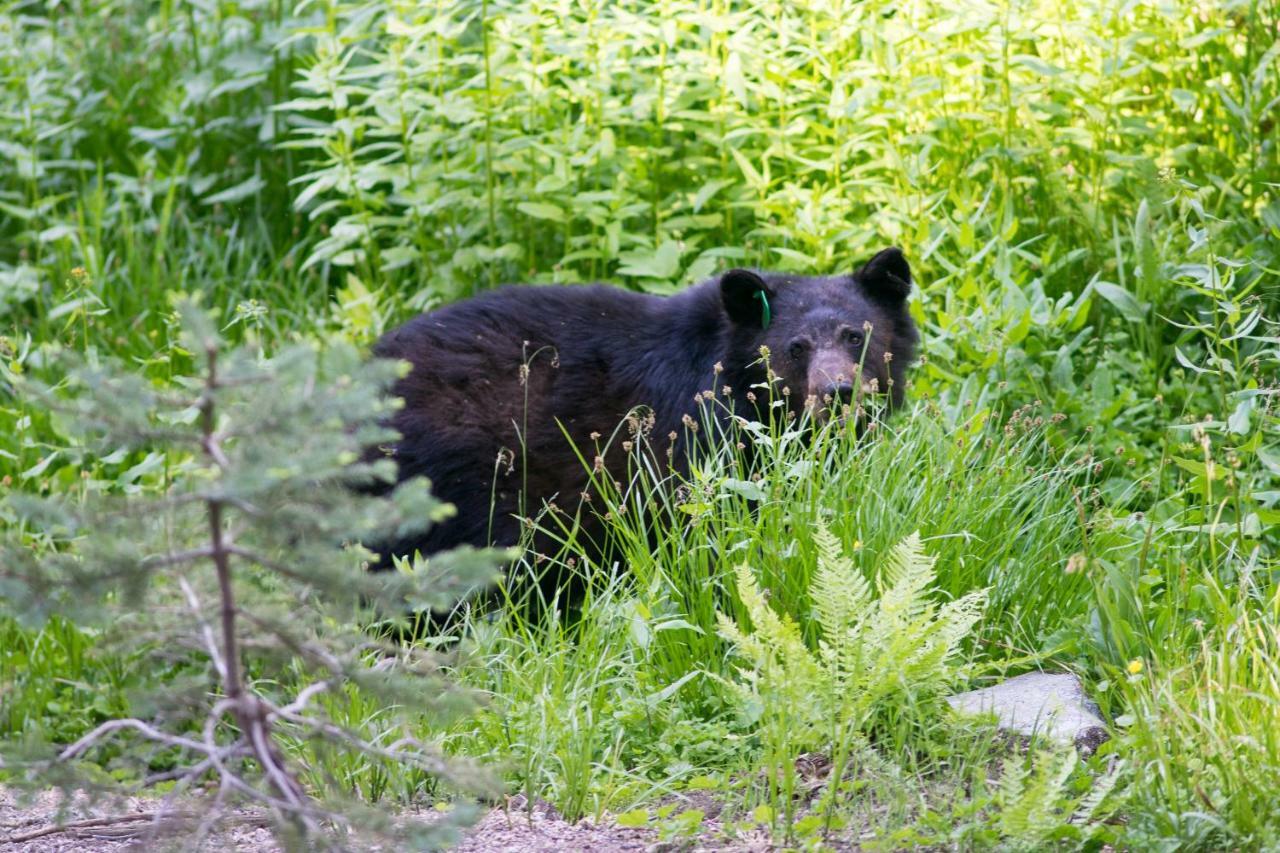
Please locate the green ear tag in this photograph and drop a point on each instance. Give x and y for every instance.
(766, 316)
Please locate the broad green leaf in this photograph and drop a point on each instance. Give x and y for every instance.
(661, 263)
(541, 210)
(1122, 300)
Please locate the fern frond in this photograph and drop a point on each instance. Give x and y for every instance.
(1010, 793)
(840, 594)
(775, 647)
(957, 618)
(1031, 809)
(904, 559)
(906, 572)
(874, 653)
(1091, 803)
(767, 623)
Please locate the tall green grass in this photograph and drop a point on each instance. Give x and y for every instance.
(630, 698)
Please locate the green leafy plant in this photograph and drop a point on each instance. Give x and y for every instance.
(1036, 804)
(885, 658)
(1206, 730)
(245, 582)
(1088, 197)
(878, 647)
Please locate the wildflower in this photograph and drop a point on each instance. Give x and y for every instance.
(1135, 666)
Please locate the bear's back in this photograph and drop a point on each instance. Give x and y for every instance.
(513, 390)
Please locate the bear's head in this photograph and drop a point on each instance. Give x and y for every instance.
(832, 341)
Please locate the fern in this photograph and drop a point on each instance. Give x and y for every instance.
(840, 593)
(784, 671)
(1035, 804)
(879, 651)
(1031, 803)
(1090, 809)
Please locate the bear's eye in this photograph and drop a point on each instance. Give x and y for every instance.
(798, 349)
(852, 337)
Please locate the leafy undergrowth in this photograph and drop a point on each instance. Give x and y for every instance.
(1088, 199)
(747, 633)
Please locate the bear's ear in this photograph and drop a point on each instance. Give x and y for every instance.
(886, 276)
(746, 298)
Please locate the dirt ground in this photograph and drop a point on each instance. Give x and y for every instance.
(22, 818)
(537, 830)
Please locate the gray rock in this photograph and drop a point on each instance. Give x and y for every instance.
(1048, 705)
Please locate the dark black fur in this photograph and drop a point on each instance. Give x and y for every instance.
(499, 380)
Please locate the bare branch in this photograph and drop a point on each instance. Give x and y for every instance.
(177, 558)
(206, 631)
(145, 729)
(95, 822)
(299, 704)
(395, 753)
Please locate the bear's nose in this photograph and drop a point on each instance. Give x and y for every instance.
(839, 392)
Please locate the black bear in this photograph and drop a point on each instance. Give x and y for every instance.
(511, 391)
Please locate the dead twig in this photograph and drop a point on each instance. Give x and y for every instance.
(96, 823)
